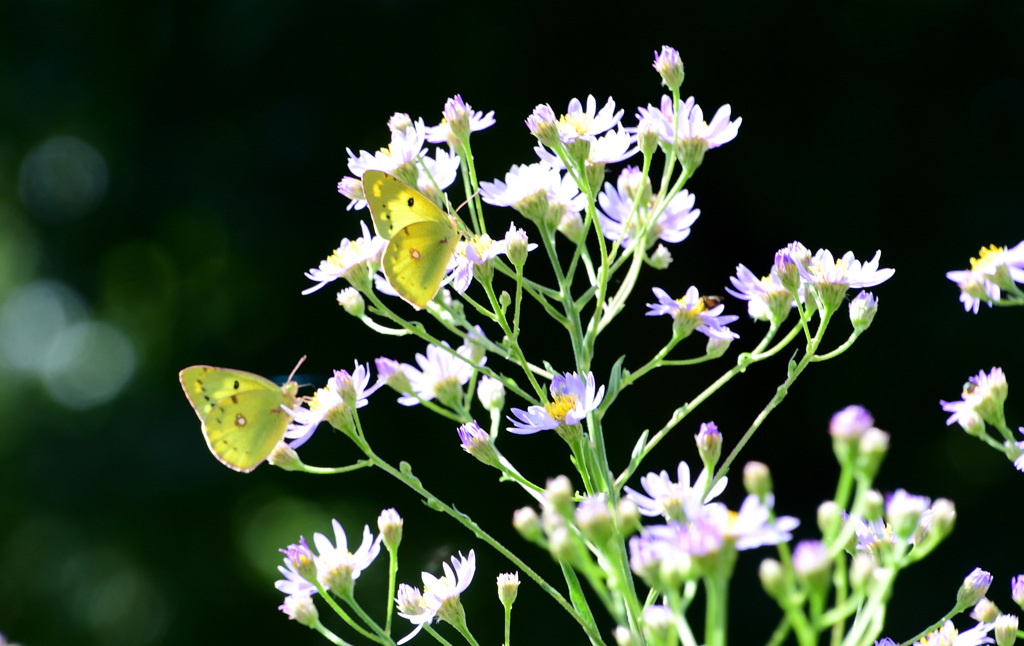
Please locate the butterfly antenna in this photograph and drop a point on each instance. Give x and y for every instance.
(296, 368)
(466, 201)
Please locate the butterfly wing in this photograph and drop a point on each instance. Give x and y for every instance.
(241, 413)
(422, 237)
(416, 258)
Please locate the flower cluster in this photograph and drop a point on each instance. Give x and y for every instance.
(993, 278)
(332, 568)
(699, 534)
(675, 531)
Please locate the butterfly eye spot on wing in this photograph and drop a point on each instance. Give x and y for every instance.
(414, 253)
(240, 420)
(412, 201)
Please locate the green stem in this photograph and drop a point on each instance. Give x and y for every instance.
(345, 616)
(794, 371)
(305, 468)
(405, 477)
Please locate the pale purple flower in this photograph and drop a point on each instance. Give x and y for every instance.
(329, 400)
(612, 147)
(822, 269)
(297, 607)
(572, 399)
(983, 396)
(693, 130)
(477, 251)
(710, 135)
(675, 500)
(439, 371)
(294, 583)
(537, 191)
(767, 298)
(439, 593)
(337, 568)
(752, 526)
(459, 118)
(672, 223)
(349, 255)
(441, 170)
(406, 147)
(948, 635)
(586, 123)
(663, 117)
(995, 269)
(692, 313)
(352, 188)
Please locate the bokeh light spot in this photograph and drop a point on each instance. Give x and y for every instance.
(88, 364)
(32, 318)
(63, 179)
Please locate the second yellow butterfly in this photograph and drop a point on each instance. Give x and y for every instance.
(421, 237)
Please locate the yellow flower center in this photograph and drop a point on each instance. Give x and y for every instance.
(559, 408)
(987, 256)
(578, 121)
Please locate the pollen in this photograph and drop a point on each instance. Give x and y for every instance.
(986, 256)
(561, 407)
(578, 121)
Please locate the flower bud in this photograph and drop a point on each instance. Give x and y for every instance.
(389, 523)
(709, 445)
(559, 494)
(1006, 630)
(595, 519)
(772, 578)
(874, 505)
(623, 637)
(285, 457)
(903, 511)
(562, 546)
(659, 623)
(873, 446)
(352, 301)
(973, 588)
(862, 310)
(985, 611)
(812, 565)
(830, 518)
(757, 479)
(527, 523)
(543, 124)
(852, 421)
(670, 67)
(861, 568)
(508, 588)
(627, 514)
(716, 347)
(1017, 590)
(298, 607)
(478, 443)
(399, 122)
(491, 393)
(661, 258)
(517, 245)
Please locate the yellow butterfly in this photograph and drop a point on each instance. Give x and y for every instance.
(241, 412)
(421, 237)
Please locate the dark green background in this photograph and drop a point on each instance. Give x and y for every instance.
(866, 125)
